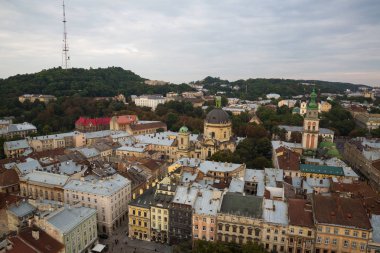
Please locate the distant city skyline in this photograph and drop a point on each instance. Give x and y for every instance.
(183, 41)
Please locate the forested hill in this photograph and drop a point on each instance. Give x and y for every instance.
(82, 82)
(258, 87)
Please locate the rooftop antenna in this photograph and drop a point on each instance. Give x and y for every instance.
(65, 48)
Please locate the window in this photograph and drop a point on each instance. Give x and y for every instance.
(334, 241)
(327, 228)
(212, 220)
(327, 240)
(345, 243)
(300, 231)
(196, 227)
(211, 229)
(319, 229)
(276, 231)
(319, 239)
(309, 233)
(364, 235)
(196, 218)
(292, 230)
(204, 219)
(362, 247)
(204, 228)
(353, 245)
(241, 230)
(275, 238)
(347, 232)
(336, 231)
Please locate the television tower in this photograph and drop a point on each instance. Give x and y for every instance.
(65, 48)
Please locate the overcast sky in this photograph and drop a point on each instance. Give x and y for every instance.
(181, 41)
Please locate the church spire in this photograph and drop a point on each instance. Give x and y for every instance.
(218, 102)
(313, 103)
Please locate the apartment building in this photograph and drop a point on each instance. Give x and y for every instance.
(109, 195)
(73, 226)
(205, 213)
(342, 225)
(239, 219)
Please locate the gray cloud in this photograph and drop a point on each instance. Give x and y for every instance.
(180, 41)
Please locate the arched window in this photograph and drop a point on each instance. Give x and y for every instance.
(225, 134)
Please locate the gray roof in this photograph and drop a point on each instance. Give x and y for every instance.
(238, 204)
(275, 211)
(21, 127)
(375, 222)
(185, 195)
(300, 129)
(46, 178)
(217, 116)
(256, 176)
(68, 218)
(89, 152)
(140, 148)
(14, 145)
(68, 167)
(106, 187)
(56, 136)
(236, 185)
(208, 202)
(28, 166)
(101, 134)
(22, 209)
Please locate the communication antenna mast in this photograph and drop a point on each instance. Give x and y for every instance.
(65, 48)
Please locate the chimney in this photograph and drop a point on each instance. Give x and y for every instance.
(36, 234)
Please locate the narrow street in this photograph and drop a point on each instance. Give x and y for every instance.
(127, 245)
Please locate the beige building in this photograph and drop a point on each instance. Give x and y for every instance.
(301, 231)
(140, 216)
(33, 97)
(151, 101)
(239, 219)
(45, 185)
(73, 226)
(172, 146)
(205, 214)
(110, 196)
(275, 215)
(54, 141)
(159, 212)
(367, 120)
(311, 125)
(342, 225)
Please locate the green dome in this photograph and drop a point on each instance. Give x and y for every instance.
(313, 104)
(296, 110)
(183, 129)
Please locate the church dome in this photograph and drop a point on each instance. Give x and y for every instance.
(217, 116)
(183, 129)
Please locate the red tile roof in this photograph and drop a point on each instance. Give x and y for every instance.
(300, 213)
(288, 159)
(45, 243)
(151, 125)
(356, 189)
(83, 121)
(18, 246)
(340, 211)
(8, 177)
(126, 119)
(7, 199)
